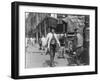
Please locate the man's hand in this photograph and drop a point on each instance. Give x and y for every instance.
(48, 48)
(59, 45)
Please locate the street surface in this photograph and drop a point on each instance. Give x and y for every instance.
(38, 58)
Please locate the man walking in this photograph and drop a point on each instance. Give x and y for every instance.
(52, 41)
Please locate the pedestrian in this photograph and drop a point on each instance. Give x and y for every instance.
(79, 47)
(40, 44)
(43, 40)
(52, 41)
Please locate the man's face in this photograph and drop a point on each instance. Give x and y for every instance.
(53, 30)
(77, 31)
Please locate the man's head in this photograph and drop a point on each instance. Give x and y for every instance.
(76, 30)
(52, 30)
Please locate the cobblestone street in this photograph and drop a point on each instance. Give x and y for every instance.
(38, 58)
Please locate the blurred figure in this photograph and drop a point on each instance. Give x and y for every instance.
(79, 47)
(52, 42)
(40, 44)
(32, 40)
(26, 42)
(43, 39)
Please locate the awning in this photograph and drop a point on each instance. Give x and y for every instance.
(74, 20)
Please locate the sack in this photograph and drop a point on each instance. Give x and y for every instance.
(57, 47)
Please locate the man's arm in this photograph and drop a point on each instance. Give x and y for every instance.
(47, 39)
(57, 40)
